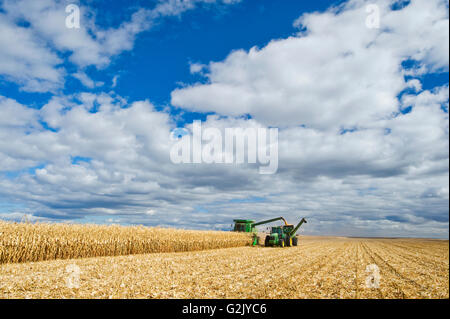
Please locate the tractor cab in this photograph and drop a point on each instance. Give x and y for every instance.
(276, 236)
(287, 229)
(277, 230)
(283, 235)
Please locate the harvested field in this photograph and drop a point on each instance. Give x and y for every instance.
(25, 242)
(318, 268)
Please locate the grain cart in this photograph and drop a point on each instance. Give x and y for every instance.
(283, 235)
(249, 226)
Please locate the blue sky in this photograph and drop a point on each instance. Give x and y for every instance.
(362, 112)
(160, 59)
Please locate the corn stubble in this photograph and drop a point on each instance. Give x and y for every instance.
(27, 242)
(320, 267)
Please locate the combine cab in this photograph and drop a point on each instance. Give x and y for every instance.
(243, 225)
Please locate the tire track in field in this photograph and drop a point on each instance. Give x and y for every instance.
(416, 258)
(428, 281)
(265, 281)
(337, 278)
(307, 274)
(365, 260)
(397, 290)
(298, 284)
(400, 290)
(273, 281)
(316, 278)
(434, 250)
(424, 251)
(395, 270)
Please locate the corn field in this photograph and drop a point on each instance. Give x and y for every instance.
(317, 268)
(37, 260)
(28, 242)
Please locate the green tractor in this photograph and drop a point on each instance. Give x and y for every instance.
(280, 235)
(283, 236)
(249, 226)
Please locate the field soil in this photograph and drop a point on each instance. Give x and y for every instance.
(320, 267)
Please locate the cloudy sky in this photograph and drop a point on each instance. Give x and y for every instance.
(361, 104)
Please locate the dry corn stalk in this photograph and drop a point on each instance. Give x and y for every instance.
(25, 242)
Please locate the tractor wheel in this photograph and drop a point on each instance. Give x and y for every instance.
(282, 243)
(266, 242)
(287, 242)
(294, 241)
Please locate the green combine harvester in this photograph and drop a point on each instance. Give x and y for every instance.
(281, 236)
